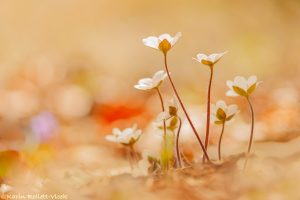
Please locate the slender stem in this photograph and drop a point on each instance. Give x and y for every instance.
(133, 154)
(164, 122)
(252, 126)
(184, 110)
(129, 157)
(177, 143)
(185, 159)
(208, 108)
(251, 134)
(220, 140)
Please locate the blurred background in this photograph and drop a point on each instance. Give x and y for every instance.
(67, 70)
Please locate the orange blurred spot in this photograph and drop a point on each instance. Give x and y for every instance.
(111, 113)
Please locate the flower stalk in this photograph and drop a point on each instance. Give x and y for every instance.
(208, 108)
(220, 140)
(252, 126)
(177, 143)
(183, 108)
(222, 113)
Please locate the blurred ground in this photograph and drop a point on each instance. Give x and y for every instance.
(79, 60)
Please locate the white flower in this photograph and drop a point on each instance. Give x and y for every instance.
(171, 110)
(221, 112)
(149, 162)
(163, 42)
(151, 83)
(5, 188)
(127, 137)
(241, 86)
(209, 59)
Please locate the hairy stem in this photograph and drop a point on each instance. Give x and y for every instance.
(208, 109)
(220, 140)
(184, 110)
(177, 143)
(164, 125)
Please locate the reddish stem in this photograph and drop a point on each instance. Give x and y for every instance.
(177, 143)
(252, 126)
(220, 140)
(208, 109)
(251, 134)
(184, 110)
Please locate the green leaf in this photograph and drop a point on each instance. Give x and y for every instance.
(239, 91)
(173, 124)
(230, 117)
(219, 122)
(251, 89)
(221, 115)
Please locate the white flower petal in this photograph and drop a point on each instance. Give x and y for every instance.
(229, 84)
(201, 57)
(158, 77)
(173, 102)
(241, 82)
(151, 41)
(232, 109)
(111, 138)
(215, 57)
(116, 131)
(145, 81)
(165, 36)
(175, 38)
(213, 108)
(221, 104)
(251, 81)
(231, 93)
(143, 87)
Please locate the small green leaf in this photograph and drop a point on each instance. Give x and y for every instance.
(239, 91)
(221, 115)
(251, 89)
(219, 122)
(230, 117)
(173, 123)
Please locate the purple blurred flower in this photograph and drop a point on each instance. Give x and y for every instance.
(43, 126)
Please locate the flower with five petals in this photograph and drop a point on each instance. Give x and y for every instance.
(209, 60)
(163, 42)
(241, 86)
(151, 83)
(128, 136)
(222, 113)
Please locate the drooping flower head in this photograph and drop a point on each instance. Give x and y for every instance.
(128, 136)
(151, 83)
(209, 60)
(171, 110)
(242, 86)
(169, 115)
(222, 113)
(163, 42)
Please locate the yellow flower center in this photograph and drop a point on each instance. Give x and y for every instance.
(164, 46)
